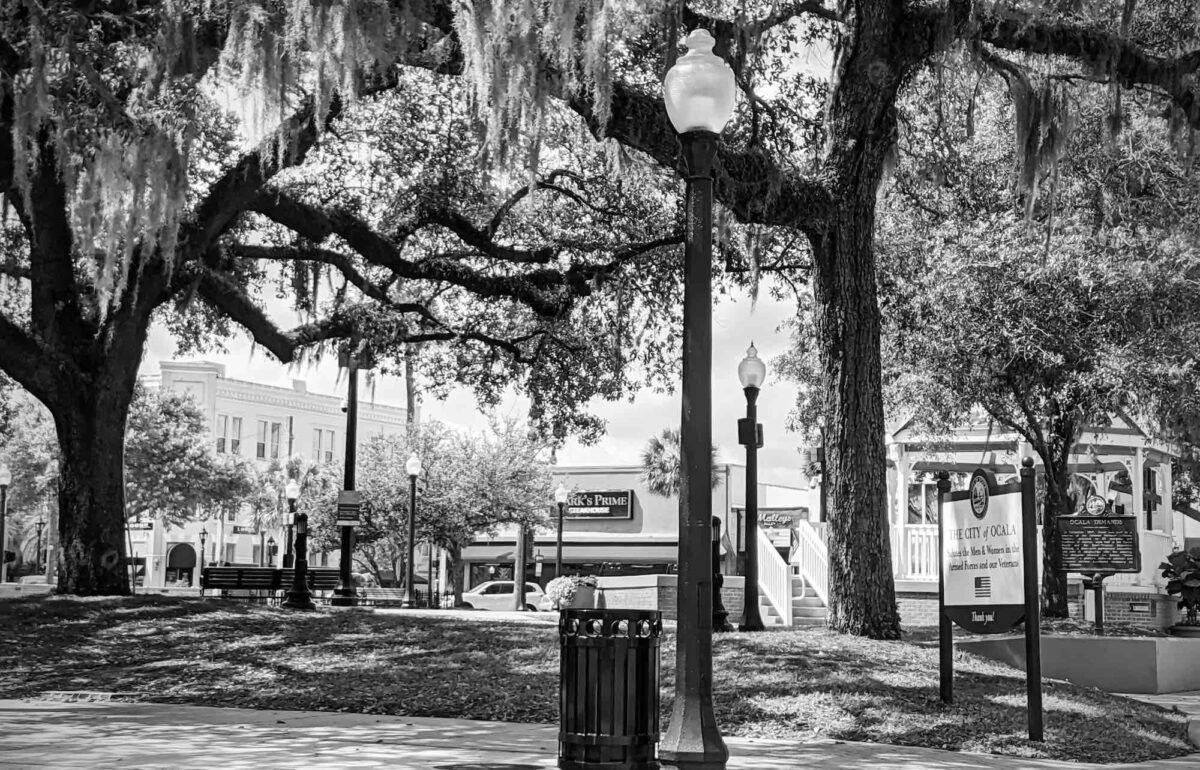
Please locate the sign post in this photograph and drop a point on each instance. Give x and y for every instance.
(1033, 620)
(945, 630)
(988, 572)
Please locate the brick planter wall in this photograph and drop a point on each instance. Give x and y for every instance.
(658, 592)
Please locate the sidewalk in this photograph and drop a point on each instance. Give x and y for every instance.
(51, 734)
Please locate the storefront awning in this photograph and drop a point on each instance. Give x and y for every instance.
(657, 552)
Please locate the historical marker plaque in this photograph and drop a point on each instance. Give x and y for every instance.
(1099, 543)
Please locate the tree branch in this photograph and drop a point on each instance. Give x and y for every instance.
(316, 225)
(1128, 62)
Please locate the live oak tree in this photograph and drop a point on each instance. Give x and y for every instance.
(171, 472)
(808, 154)
(130, 195)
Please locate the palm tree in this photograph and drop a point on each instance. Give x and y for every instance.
(661, 464)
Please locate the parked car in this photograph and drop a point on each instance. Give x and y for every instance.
(497, 595)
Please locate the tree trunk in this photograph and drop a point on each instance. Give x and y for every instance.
(1054, 580)
(861, 126)
(91, 492)
(454, 572)
(862, 598)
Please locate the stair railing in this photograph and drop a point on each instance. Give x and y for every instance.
(812, 558)
(774, 578)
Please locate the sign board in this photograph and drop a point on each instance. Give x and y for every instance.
(141, 525)
(782, 519)
(348, 506)
(982, 559)
(245, 531)
(1099, 543)
(600, 504)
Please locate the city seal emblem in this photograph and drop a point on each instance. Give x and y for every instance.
(979, 495)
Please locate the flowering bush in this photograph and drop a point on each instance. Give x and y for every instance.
(562, 590)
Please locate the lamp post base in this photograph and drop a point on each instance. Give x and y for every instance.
(299, 601)
(344, 597)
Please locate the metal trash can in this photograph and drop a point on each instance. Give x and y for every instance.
(608, 689)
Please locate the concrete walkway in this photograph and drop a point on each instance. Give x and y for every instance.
(52, 734)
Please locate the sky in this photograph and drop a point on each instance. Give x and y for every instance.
(630, 424)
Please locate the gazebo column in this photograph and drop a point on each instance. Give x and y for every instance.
(903, 475)
(1138, 489)
(1165, 481)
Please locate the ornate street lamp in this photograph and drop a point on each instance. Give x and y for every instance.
(270, 551)
(699, 92)
(203, 537)
(346, 594)
(751, 371)
(560, 496)
(413, 469)
(37, 554)
(299, 598)
(5, 480)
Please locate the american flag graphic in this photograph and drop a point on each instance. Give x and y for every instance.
(983, 588)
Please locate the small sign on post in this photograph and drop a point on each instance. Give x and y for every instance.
(348, 506)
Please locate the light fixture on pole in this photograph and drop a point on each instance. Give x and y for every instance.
(299, 597)
(751, 372)
(413, 469)
(203, 537)
(5, 480)
(699, 93)
(560, 496)
(271, 551)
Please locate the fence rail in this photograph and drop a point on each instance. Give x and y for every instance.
(774, 578)
(812, 559)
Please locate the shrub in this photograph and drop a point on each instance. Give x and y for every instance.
(1182, 570)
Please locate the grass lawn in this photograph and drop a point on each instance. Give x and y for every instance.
(790, 683)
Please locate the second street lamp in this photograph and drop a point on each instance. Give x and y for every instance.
(37, 555)
(5, 480)
(299, 598)
(560, 496)
(751, 372)
(413, 469)
(698, 91)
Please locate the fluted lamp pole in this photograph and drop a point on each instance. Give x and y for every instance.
(751, 372)
(299, 597)
(560, 496)
(5, 480)
(413, 469)
(699, 93)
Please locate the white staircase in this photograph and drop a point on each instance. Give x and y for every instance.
(786, 598)
(807, 607)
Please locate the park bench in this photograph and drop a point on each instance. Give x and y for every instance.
(382, 597)
(262, 583)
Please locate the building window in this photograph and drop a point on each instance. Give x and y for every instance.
(222, 432)
(922, 504)
(230, 553)
(235, 435)
(261, 451)
(322, 445)
(276, 431)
